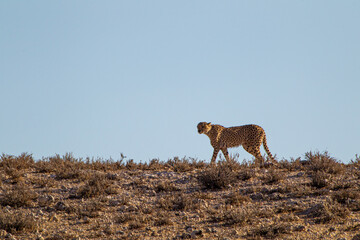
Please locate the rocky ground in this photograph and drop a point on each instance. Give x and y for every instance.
(65, 198)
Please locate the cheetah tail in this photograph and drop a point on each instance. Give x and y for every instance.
(267, 149)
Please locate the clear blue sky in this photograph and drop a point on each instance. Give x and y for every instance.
(100, 78)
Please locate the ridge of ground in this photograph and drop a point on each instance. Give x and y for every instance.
(62, 197)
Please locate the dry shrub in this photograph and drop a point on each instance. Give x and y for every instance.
(273, 177)
(131, 165)
(180, 165)
(184, 164)
(178, 202)
(14, 166)
(232, 216)
(124, 218)
(218, 177)
(248, 213)
(18, 196)
(59, 164)
(23, 161)
(65, 167)
(42, 182)
(68, 167)
(155, 164)
(138, 222)
(341, 184)
(17, 221)
(91, 209)
(245, 174)
(165, 186)
(291, 207)
(328, 212)
(133, 221)
(198, 164)
(237, 216)
(15, 176)
(319, 179)
(323, 162)
(356, 161)
(234, 165)
(97, 185)
(105, 165)
(263, 212)
(162, 220)
(237, 199)
(270, 231)
(69, 171)
(45, 166)
(345, 196)
(292, 165)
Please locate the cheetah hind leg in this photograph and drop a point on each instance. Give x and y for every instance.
(256, 153)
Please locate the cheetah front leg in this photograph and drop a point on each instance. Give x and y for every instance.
(216, 151)
(226, 154)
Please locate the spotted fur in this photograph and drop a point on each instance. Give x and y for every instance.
(249, 136)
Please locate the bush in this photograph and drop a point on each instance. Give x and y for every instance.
(166, 186)
(18, 196)
(124, 218)
(14, 166)
(356, 161)
(178, 202)
(345, 196)
(323, 162)
(319, 179)
(236, 216)
(155, 164)
(328, 212)
(232, 216)
(273, 177)
(162, 220)
(180, 165)
(23, 161)
(97, 185)
(237, 199)
(245, 174)
(218, 177)
(131, 165)
(91, 209)
(271, 231)
(134, 221)
(293, 164)
(18, 221)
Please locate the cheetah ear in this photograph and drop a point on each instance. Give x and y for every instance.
(209, 123)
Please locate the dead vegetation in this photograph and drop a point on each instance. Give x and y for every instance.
(62, 197)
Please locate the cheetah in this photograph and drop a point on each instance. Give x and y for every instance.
(249, 136)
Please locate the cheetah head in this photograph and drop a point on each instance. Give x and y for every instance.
(203, 127)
